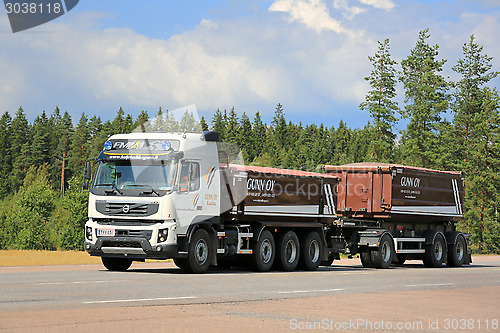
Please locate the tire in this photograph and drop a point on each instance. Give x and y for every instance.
(116, 264)
(399, 259)
(457, 253)
(263, 252)
(288, 251)
(435, 253)
(199, 253)
(310, 251)
(329, 261)
(366, 258)
(181, 263)
(382, 256)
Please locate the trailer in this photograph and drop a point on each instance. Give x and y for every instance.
(190, 198)
(414, 213)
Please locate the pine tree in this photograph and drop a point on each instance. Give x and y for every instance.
(426, 98)
(380, 102)
(476, 144)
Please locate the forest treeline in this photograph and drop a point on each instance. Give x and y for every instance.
(451, 125)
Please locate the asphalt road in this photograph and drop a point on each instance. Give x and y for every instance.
(55, 290)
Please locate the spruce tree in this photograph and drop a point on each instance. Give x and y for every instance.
(20, 148)
(5, 153)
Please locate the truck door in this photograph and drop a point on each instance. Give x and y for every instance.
(188, 202)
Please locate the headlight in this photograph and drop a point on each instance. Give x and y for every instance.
(162, 235)
(88, 233)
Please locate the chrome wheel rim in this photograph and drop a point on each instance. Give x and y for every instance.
(290, 251)
(201, 251)
(266, 251)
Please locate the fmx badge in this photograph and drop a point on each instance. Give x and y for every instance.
(26, 14)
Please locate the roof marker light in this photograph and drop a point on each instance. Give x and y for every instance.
(166, 145)
(108, 145)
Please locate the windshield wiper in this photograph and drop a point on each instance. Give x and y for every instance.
(151, 189)
(112, 190)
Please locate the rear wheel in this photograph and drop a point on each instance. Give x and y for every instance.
(435, 253)
(457, 252)
(288, 251)
(399, 259)
(382, 256)
(116, 264)
(310, 251)
(263, 252)
(366, 258)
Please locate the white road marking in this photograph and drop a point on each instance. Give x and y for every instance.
(81, 282)
(430, 285)
(308, 291)
(140, 300)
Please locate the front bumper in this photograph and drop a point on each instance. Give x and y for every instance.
(130, 247)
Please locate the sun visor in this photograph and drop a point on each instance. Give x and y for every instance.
(140, 150)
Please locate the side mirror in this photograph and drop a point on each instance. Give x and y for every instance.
(87, 175)
(88, 170)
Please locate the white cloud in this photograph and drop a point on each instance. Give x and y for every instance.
(313, 13)
(381, 4)
(252, 63)
(349, 11)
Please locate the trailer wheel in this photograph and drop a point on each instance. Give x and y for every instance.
(263, 252)
(382, 256)
(366, 259)
(116, 264)
(288, 249)
(435, 253)
(457, 253)
(199, 254)
(310, 251)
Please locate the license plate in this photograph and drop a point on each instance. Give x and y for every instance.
(106, 232)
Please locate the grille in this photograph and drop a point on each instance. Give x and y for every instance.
(127, 208)
(123, 222)
(121, 244)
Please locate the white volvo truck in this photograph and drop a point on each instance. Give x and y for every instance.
(183, 196)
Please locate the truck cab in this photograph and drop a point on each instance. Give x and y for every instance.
(147, 190)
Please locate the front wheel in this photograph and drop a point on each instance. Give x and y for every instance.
(116, 264)
(199, 253)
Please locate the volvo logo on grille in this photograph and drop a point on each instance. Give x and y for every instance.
(126, 209)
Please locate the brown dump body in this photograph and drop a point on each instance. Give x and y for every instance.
(376, 190)
(270, 194)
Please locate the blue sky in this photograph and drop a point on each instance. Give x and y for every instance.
(308, 55)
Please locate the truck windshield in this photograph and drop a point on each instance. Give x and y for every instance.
(143, 175)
